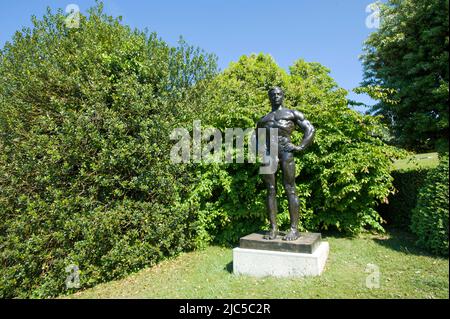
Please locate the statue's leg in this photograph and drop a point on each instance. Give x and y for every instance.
(288, 167)
(271, 204)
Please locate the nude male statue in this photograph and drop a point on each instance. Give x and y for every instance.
(285, 121)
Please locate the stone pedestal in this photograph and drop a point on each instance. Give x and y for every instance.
(260, 257)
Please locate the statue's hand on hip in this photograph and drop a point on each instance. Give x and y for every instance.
(298, 149)
(293, 148)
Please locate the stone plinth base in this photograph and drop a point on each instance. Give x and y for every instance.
(257, 262)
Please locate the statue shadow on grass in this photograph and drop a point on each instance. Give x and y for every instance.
(229, 267)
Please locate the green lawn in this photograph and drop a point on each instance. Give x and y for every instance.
(424, 160)
(405, 272)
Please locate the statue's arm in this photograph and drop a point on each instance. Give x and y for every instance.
(308, 129)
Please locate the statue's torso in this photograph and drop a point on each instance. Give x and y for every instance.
(284, 121)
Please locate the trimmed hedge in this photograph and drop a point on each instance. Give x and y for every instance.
(430, 217)
(407, 182)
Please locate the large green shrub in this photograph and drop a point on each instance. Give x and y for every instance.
(341, 177)
(429, 219)
(85, 176)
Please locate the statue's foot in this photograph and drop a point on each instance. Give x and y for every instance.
(272, 234)
(293, 234)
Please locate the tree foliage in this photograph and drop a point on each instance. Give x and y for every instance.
(406, 69)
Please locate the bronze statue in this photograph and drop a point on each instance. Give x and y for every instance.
(284, 120)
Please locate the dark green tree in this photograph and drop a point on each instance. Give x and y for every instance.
(406, 69)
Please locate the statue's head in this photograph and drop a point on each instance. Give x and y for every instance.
(276, 96)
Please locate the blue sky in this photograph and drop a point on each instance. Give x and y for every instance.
(327, 31)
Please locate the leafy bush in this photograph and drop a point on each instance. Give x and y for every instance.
(429, 219)
(85, 177)
(341, 177)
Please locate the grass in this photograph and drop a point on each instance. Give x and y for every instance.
(405, 272)
(425, 160)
